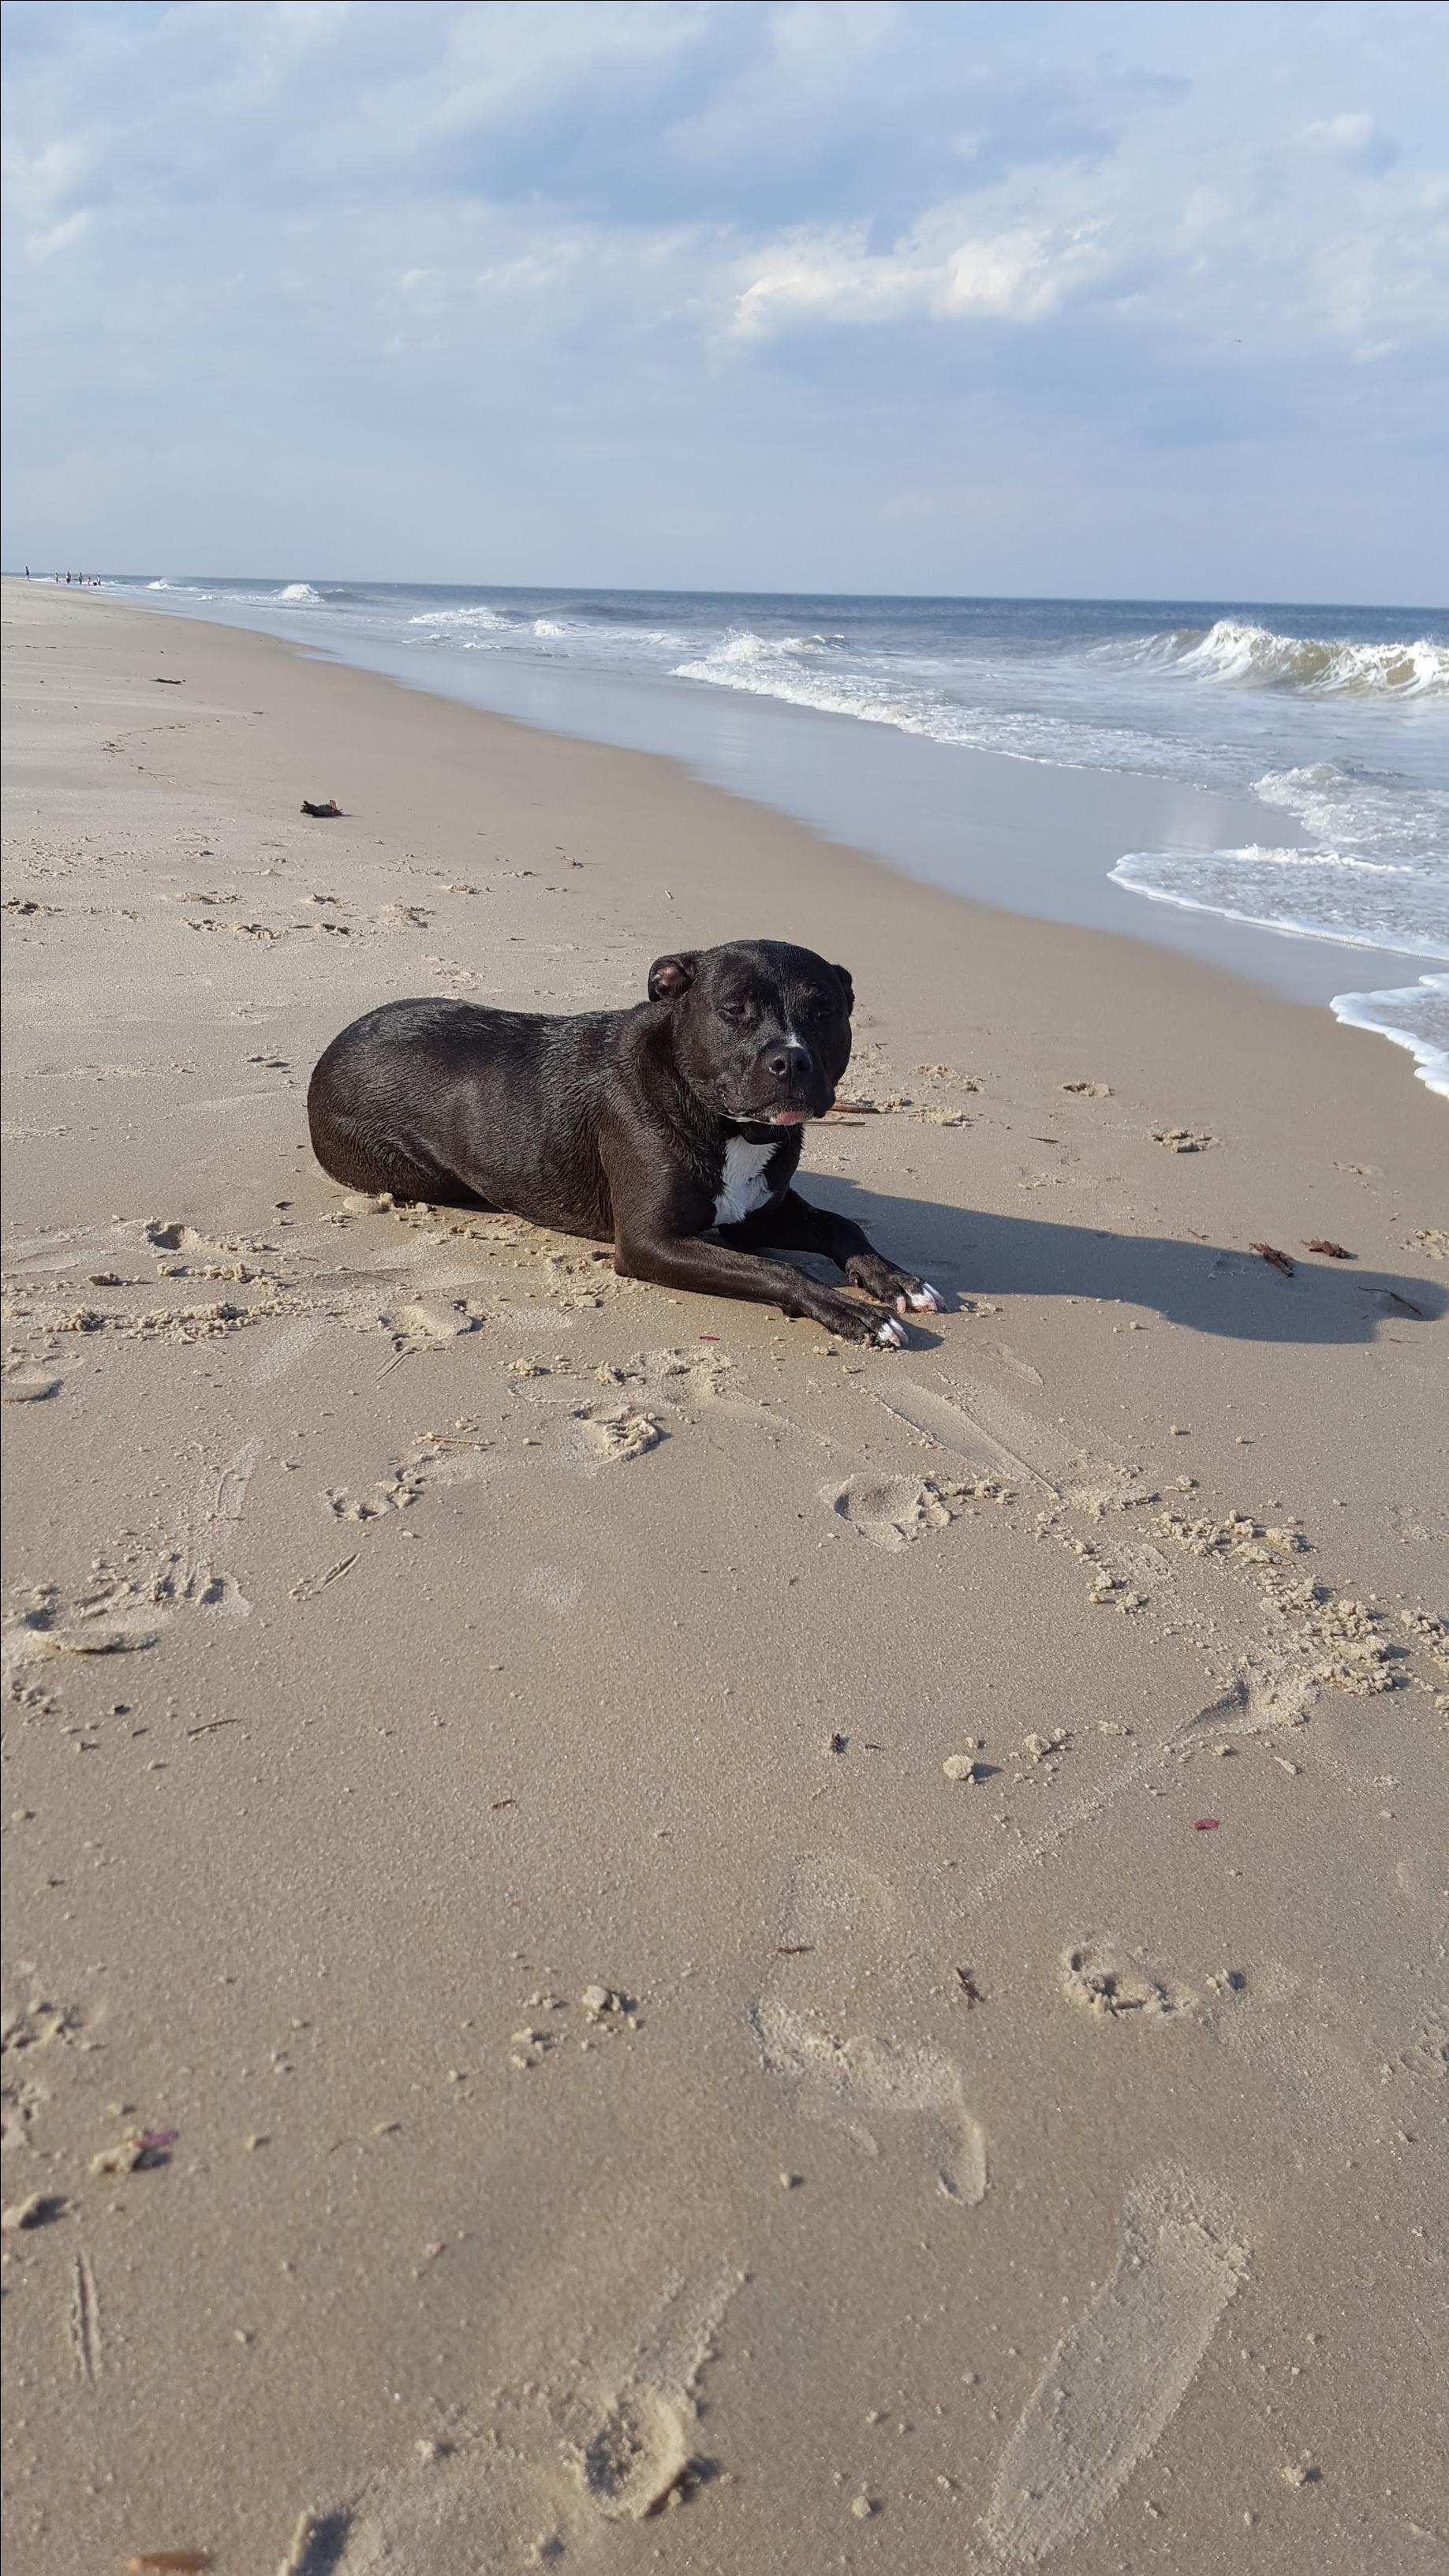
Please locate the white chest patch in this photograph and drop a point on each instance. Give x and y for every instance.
(743, 1187)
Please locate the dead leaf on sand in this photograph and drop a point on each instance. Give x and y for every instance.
(1269, 1252)
(1331, 1251)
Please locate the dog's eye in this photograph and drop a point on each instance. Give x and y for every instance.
(734, 1012)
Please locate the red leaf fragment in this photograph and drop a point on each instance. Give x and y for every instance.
(1205, 1824)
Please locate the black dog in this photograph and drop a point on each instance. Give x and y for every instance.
(672, 1130)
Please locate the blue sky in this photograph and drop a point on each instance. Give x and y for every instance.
(1097, 299)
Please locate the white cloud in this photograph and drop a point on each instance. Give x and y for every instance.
(1018, 276)
(1354, 138)
(1384, 291)
(39, 179)
(61, 236)
(38, 174)
(1339, 133)
(1023, 275)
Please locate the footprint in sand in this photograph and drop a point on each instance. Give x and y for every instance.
(44, 1630)
(287, 1348)
(677, 1379)
(461, 1457)
(1106, 1979)
(617, 1434)
(860, 2079)
(587, 1437)
(183, 1570)
(834, 1918)
(638, 2454)
(830, 1915)
(891, 1511)
(1119, 2374)
(1266, 1692)
(28, 2031)
(646, 1397)
(173, 1237)
(610, 2441)
(997, 1436)
(28, 1386)
(136, 1590)
(435, 1320)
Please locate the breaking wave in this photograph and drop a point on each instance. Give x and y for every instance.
(299, 594)
(742, 650)
(1254, 657)
(819, 671)
(462, 621)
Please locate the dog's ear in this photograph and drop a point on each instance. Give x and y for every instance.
(671, 976)
(848, 987)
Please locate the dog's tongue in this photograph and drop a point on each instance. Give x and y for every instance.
(788, 1118)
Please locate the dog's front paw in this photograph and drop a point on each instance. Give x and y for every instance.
(921, 1298)
(853, 1321)
(881, 1278)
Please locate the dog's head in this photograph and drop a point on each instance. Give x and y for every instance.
(761, 1031)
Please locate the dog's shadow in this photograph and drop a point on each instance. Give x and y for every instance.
(1210, 1288)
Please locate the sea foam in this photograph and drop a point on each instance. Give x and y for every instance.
(1301, 893)
(1415, 1016)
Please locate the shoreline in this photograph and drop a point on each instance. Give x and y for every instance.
(870, 872)
(404, 1612)
(950, 815)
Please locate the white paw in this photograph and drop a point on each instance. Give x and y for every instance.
(890, 1335)
(928, 1300)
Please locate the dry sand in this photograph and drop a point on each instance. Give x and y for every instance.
(647, 1879)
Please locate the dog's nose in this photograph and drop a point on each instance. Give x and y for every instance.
(788, 1062)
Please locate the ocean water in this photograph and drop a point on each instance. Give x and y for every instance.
(1324, 732)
